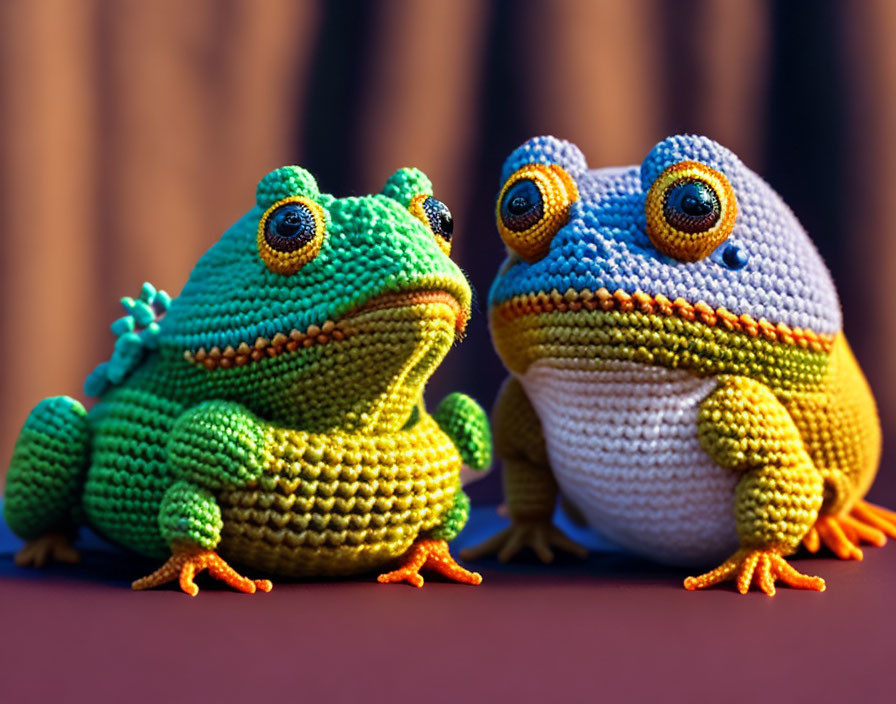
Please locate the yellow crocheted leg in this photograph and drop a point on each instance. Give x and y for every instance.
(762, 567)
(52, 547)
(428, 553)
(186, 561)
(744, 427)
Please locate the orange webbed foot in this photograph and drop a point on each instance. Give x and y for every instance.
(843, 534)
(52, 547)
(762, 567)
(876, 517)
(429, 554)
(187, 561)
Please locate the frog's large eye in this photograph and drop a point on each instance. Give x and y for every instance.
(436, 216)
(290, 234)
(532, 206)
(690, 211)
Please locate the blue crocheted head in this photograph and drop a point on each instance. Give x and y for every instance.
(766, 267)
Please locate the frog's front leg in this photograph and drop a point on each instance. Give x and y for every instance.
(464, 421)
(215, 445)
(744, 427)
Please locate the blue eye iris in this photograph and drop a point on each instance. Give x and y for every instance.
(289, 227)
(734, 257)
(522, 206)
(691, 206)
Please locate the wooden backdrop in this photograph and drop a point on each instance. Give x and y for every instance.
(132, 133)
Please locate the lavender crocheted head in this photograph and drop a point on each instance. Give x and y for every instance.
(767, 267)
(678, 369)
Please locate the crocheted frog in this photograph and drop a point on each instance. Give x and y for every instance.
(677, 367)
(272, 414)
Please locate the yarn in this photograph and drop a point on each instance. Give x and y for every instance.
(676, 347)
(272, 414)
(532, 206)
(690, 211)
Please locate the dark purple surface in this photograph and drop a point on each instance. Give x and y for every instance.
(610, 629)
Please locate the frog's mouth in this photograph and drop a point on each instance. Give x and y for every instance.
(440, 304)
(584, 327)
(658, 305)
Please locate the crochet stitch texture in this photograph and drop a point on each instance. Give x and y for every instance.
(272, 414)
(678, 367)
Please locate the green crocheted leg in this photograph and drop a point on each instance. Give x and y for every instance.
(217, 445)
(454, 519)
(744, 427)
(464, 421)
(45, 477)
(190, 515)
(190, 520)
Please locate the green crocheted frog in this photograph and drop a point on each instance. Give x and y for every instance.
(272, 414)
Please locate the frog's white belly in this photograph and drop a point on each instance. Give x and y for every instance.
(623, 445)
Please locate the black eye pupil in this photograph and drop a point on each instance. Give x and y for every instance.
(695, 206)
(289, 227)
(692, 206)
(518, 205)
(440, 218)
(446, 223)
(522, 206)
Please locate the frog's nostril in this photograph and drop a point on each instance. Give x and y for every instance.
(734, 257)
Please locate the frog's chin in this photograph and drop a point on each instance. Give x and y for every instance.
(438, 306)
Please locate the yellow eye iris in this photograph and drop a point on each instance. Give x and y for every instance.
(290, 234)
(690, 210)
(532, 206)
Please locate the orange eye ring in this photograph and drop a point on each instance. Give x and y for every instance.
(690, 209)
(437, 218)
(290, 234)
(532, 207)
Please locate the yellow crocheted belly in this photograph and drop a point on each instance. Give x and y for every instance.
(340, 504)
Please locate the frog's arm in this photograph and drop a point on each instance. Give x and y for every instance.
(464, 421)
(744, 427)
(46, 474)
(529, 486)
(213, 446)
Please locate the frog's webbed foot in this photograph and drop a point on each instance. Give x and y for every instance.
(432, 554)
(186, 561)
(540, 536)
(762, 567)
(843, 534)
(52, 547)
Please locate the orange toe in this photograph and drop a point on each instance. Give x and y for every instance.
(762, 567)
(431, 554)
(187, 561)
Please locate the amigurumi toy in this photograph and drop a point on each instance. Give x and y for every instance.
(678, 368)
(272, 414)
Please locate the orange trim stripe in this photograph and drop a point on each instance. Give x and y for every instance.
(641, 302)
